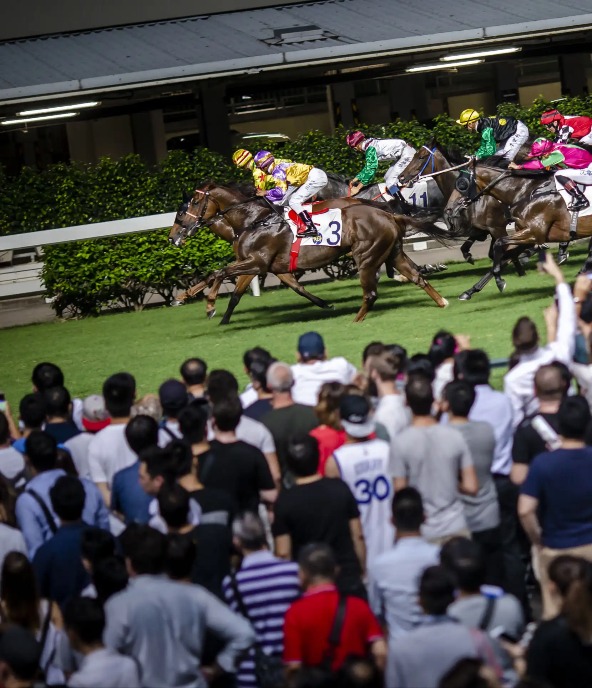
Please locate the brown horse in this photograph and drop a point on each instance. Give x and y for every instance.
(263, 240)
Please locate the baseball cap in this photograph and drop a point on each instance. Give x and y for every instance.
(311, 344)
(355, 416)
(94, 414)
(173, 395)
(20, 650)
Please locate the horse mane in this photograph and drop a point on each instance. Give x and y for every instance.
(533, 174)
(495, 161)
(337, 177)
(453, 154)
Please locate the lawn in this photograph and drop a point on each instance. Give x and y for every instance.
(153, 343)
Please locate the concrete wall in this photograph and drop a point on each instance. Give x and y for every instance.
(291, 126)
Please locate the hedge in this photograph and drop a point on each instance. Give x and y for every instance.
(86, 277)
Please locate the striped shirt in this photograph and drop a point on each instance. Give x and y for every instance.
(268, 586)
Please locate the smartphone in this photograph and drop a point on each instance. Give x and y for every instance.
(2, 402)
(542, 255)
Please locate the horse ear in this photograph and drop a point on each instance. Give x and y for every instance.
(186, 197)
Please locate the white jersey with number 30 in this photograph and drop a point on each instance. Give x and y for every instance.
(364, 467)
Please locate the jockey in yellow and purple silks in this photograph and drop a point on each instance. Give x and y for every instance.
(243, 158)
(307, 178)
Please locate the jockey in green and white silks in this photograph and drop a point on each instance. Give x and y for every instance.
(501, 136)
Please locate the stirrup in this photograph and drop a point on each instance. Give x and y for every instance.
(308, 232)
(578, 203)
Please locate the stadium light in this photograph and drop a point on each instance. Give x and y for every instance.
(58, 108)
(26, 120)
(481, 53)
(447, 65)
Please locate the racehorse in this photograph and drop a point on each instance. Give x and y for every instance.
(263, 240)
(486, 217)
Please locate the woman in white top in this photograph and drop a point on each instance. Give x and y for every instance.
(441, 355)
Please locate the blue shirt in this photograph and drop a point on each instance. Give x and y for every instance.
(32, 521)
(128, 497)
(58, 565)
(561, 481)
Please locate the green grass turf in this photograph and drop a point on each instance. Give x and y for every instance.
(153, 343)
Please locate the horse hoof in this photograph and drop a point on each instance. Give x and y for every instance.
(469, 258)
(400, 278)
(329, 307)
(562, 258)
(501, 285)
(445, 303)
(211, 313)
(176, 302)
(465, 296)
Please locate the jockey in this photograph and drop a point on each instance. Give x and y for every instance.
(243, 158)
(377, 150)
(306, 178)
(499, 135)
(574, 163)
(566, 127)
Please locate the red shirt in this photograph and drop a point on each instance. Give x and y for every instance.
(308, 623)
(329, 440)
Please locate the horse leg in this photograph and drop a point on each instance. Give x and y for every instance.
(248, 267)
(213, 293)
(290, 281)
(587, 267)
(477, 287)
(241, 287)
(369, 287)
(408, 268)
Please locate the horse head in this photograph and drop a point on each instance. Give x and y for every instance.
(195, 209)
(422, 161)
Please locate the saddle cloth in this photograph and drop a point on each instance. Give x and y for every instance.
(417, 196)
(327, 222)
(567, 199)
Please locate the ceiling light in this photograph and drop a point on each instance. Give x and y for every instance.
(481, 53)
(447, 65)
(58, 108)
(24, 120)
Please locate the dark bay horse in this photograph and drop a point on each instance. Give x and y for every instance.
(263, 241)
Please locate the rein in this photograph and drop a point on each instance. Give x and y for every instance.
(468, 201)
(420, 176)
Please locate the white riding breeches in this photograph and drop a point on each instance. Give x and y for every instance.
(315, 181)
(579, 176)
(391, 178)
(511, 147)
(586, 139)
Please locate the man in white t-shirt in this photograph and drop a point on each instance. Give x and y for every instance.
(313, 369)
(391, 410)
(94, 419)
(12, 463)
(108, 451)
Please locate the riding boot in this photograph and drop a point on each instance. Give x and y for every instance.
(563, 253)
(311, 230)
(580, 201)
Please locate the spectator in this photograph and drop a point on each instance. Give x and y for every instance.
(12, 464)
(193, 371)
(173, 398)
(84, 620)
(261, 590)
(383, 369)
(181, 553)
(161, 623)
(46, 375)
(11, 538)
(313, 368)
(108, 451)
(154, 470)
(528, 356)
(310, 621)
(471, 673)
(193, 423)
(34, 512)
(318, 509)
(96, 544)
(258, 368)
(287, 417)
(394, 574)
(431, 457)
(249, 396)
(94, 419)
(441, 355)
(19, 657)
(148, 405)
(110, 576)
(32, 417)
(329, 434)
(58, 562)
(127, 496)
(554, 504)
(529, 441)
(58, 423)
(482, 510)
(362, 463)
(478, 605)
(425, 654)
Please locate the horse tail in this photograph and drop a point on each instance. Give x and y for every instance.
(425, 226)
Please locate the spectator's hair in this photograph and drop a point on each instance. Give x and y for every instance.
(119, 391)
(141, 432)
(385, 364)
(309, 677)
(464, 559)
(249, 530)
(372, 349)
(302, 456)
(472, 366)
(359, 672)
(85, 617)
(258, 372)
(419, 395)
(110, 577)
(65, 461)
(42, 450)
(146, 550)
(565, 373)
(436, 590)
(179, 458)
(256, 353)
(67, 498)
(280, 377)
(577, 606)
(96, 544)
(57, 402)
(19, 592)
(227, 413)
(327, 408)
(564, 570)
(32, 411)
(408, 513)
(549, 384)
(466, 673)
(525, 336)
(221, 384)
(460, 396)
(573, 417)
(400, 354)
(157, 463)
(46, 375)
(193, 371)
(420, 365)
(173, 505)
(4, 429)
(7, 502)
(442, 347)
(180, 556)
(317, 560)
(193, 421)
(148, 405)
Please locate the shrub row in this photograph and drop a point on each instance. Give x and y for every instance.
(86, 277)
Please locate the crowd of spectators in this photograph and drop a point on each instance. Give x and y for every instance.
(393, 521)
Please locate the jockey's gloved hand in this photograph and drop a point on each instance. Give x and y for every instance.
(393, 190)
